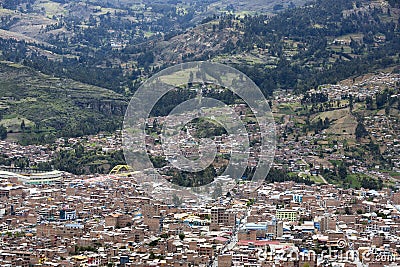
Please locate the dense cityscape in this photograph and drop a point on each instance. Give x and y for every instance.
(55, 218)
(201, 133)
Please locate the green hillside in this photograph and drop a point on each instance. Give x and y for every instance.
(47, 106)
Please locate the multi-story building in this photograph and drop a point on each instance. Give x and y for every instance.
(286, 214)
(34, 178)
(221, 215)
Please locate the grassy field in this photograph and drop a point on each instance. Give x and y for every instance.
(343, 122)
(315, 178)
(332, 114)
(51, 8)
(14, 124)
(353, 180)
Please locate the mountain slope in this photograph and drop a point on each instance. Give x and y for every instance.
(61, 106)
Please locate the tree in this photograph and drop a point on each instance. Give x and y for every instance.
(360, 131)
(164, 235)
(190, 77)
(381, 99)
(387, 111)
(153, 243)
(3, 132)
(351, 102)
(326, 122)
(348, 211)
(23, 125)
(44, 166)
(181, 236)
(250, 202)
(369, 102)
(342, 171)
(79, 150)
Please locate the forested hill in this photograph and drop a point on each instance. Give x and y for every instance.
(37, 108)
(105, 43)
(117, 47)
(323, 42)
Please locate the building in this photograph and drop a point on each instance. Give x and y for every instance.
(327, 223)
(10, 191)
(288, 215)
(224, 260)
(220, 215)
(298, 198)
(67, 214)
(34, 178)
(118, 220)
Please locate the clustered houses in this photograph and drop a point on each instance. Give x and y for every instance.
(187, 144)
(316, 151)
(294, 224)
(101, 221)
(35, 153)
(108, 222)
(45, 153)
(113, 223)
(360, 90)
(386, 131)
(107, 143)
